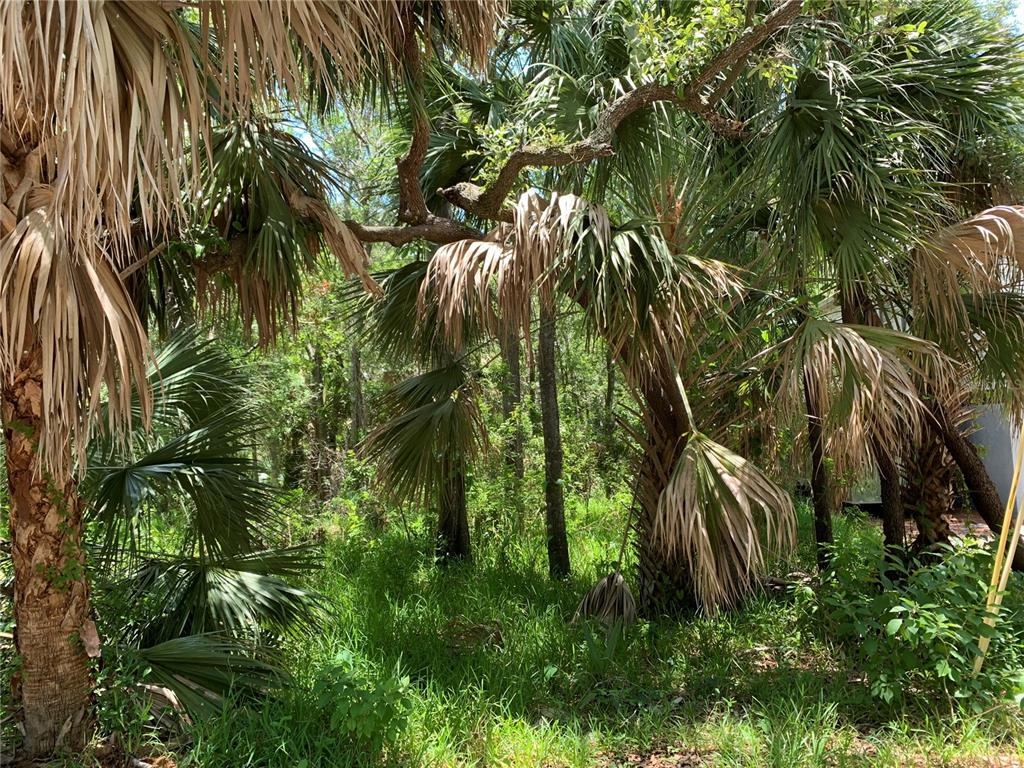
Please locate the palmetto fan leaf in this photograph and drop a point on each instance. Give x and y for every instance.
(206, 465)
(203, 669)
(862, 379)
(434, 421)
(268, 195)
(723, 515)
(243, 594)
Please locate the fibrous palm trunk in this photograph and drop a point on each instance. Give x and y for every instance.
(54, 633)
(984, 495)
(558, 545)
(928, 490)
(664, 579)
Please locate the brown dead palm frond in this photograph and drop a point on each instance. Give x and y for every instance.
(73, 305)
(723, 516)
(493, 280)
(979, 256)
(609, 601)
(863, 379)
(98, 104)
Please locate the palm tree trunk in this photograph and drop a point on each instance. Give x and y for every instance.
(857, 308)
(820, 491)
(54, 634)
(984, 494)
(894, 526)
(558, 544)
(664, 580)
(453, 519)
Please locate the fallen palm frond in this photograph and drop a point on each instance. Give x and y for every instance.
(609, 601)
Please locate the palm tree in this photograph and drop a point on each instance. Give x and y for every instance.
(707, 516)
(96, 107)
(868, 140)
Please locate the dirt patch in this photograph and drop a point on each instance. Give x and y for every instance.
(667, 757)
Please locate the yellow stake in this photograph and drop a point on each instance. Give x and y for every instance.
(1003, 561)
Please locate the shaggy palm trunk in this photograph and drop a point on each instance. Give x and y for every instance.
(664, 580)
(928, 490)
(984, 494)
(453, 519)
(54, 634)
(821, 497)
(558, 544)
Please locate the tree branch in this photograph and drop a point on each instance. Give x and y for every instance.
(489, 202)
(434, 229)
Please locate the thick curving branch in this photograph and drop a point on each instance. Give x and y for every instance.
(433, 229)
(489, 202)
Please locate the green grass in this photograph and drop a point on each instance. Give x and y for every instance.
(500, 675)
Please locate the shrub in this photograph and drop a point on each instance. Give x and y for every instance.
(916, 631)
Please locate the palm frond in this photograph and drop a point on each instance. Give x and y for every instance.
(863, 379)
(203, 669)
(241, 594)
(434, 422)
(724, 516)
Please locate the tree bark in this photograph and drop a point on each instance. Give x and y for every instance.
(453, 519)
(54, 633)
(318, 459)
(358, 404)
(894, 527)
(984, 494)
(857, 308)
(820, 491)
(558, 544)
(511, 398)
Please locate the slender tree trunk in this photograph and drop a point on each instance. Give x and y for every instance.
(453, 519)
(511, 399)
(318, 460)
(820, 492)
(894, 527)
(984, 494)
(54, 634)
(858, 309)
(358, 404)
(558, 544)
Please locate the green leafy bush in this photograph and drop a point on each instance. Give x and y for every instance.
(370, 714)
(915, 631)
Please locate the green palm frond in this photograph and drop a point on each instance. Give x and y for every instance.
(434, 421)
(204, 669)
(242, 594)
(269, 198)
